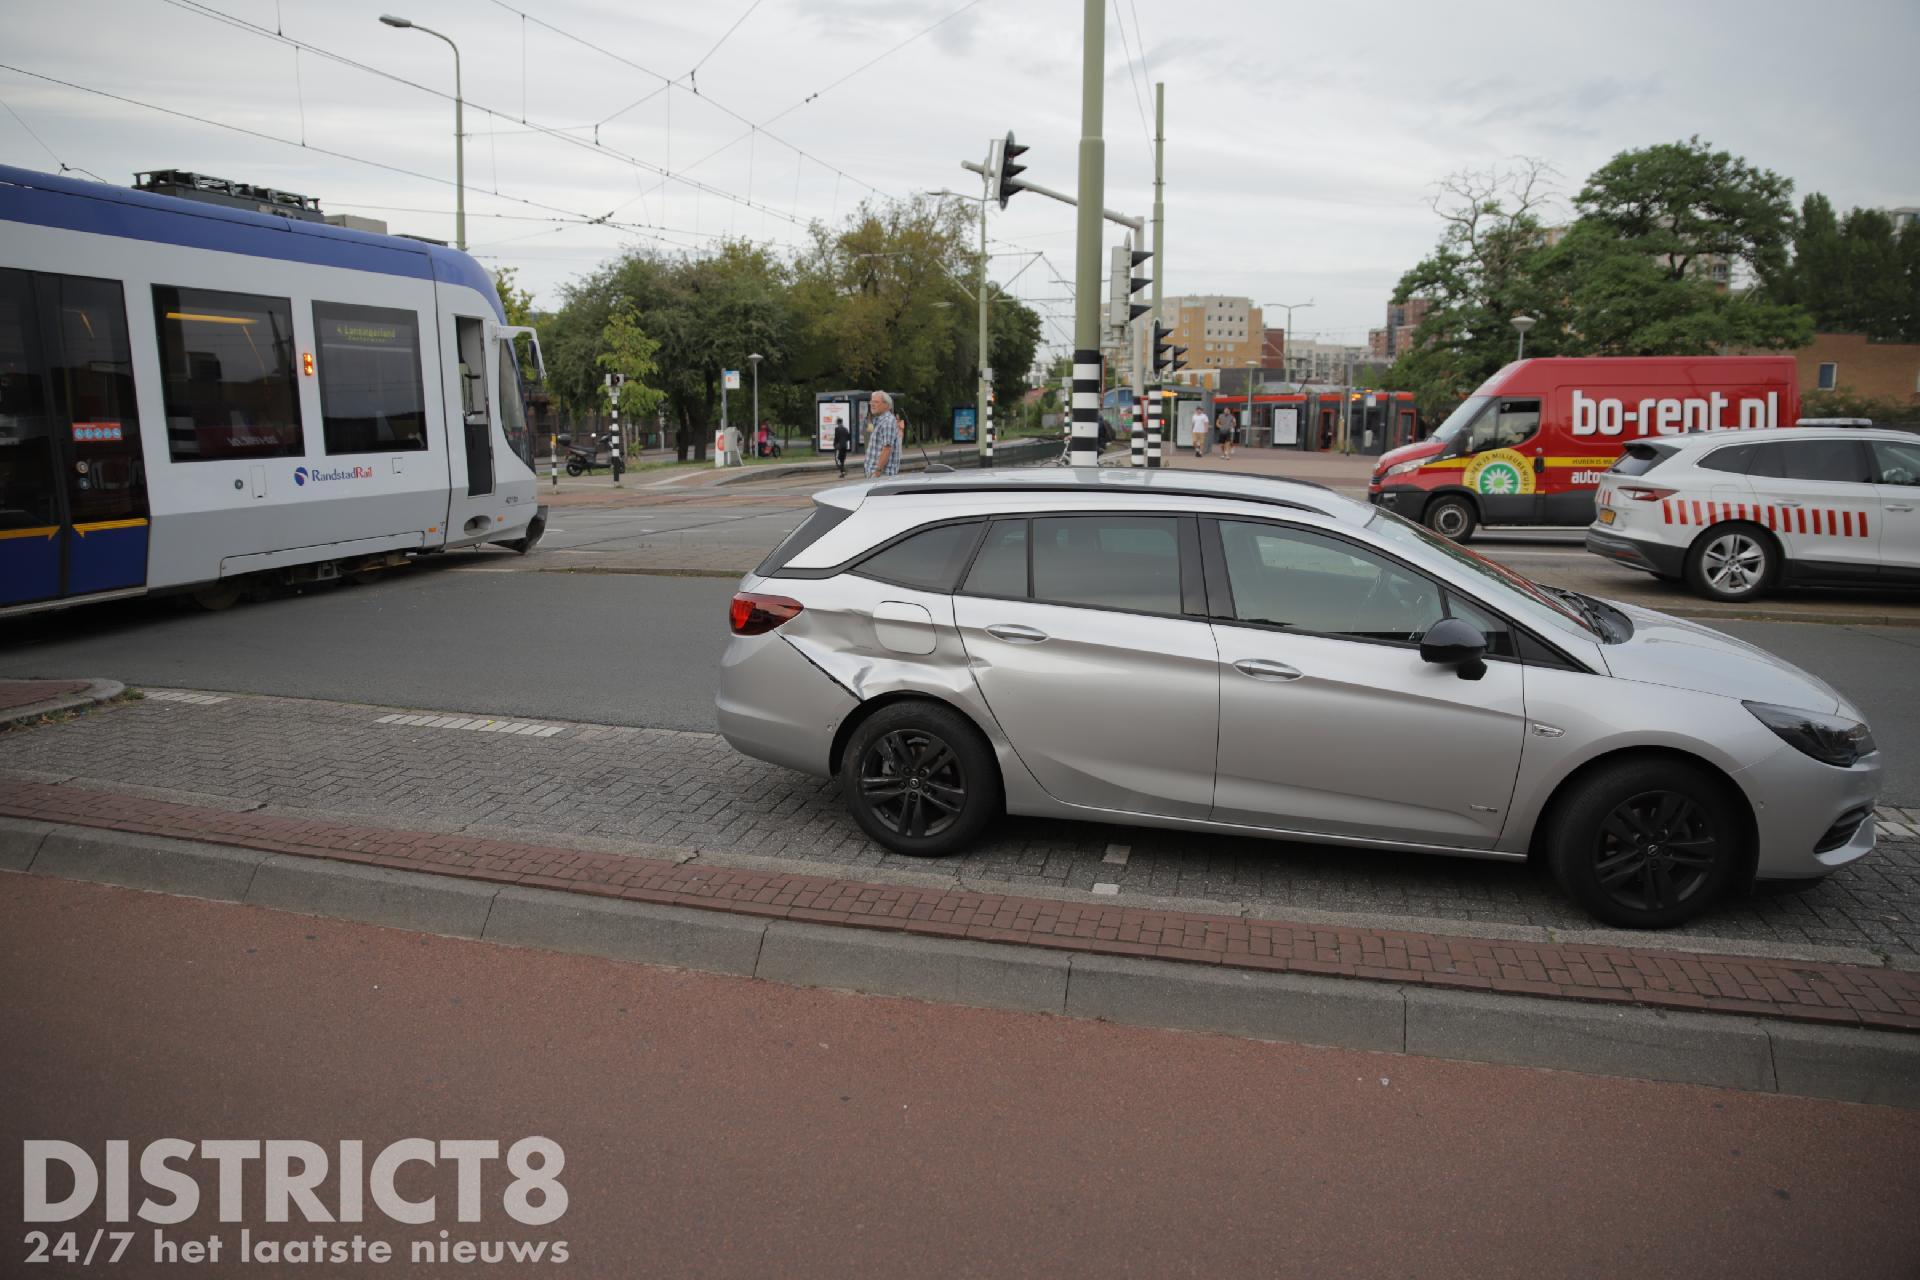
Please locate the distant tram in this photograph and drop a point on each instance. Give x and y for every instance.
(206, 399)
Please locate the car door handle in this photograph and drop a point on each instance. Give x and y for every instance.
(1265, 669)
(1014, 633)
(1784, 502)
(1892, 507)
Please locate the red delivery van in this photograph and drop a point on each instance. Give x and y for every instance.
(1530, 445)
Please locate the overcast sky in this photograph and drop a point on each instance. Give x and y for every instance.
(1303, 140)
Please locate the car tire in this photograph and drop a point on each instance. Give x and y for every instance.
(1732, 563)
(1645, 844)
(920, 779)
(1452, 517)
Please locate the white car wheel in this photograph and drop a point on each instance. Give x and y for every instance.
(1731, 563)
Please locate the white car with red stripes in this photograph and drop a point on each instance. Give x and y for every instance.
(1737, 513)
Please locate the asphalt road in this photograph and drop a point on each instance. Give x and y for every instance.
(630, 649)
(722, 1127)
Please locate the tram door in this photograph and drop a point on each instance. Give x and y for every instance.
(73, 486)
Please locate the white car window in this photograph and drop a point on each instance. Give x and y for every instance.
(1896, 462)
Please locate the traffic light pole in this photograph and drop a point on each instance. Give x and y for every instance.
(1156, 408)
(1084, 450)
(982, 410)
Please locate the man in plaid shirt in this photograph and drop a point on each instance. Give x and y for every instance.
(883, 437)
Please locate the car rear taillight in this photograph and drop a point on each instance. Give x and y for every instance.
(1644, 493)
(754, 614)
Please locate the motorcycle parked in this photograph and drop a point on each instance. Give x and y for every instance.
(584, 459)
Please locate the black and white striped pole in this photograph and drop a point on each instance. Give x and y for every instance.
(1083, 450)
(986, 430)
(1137, 454)
(1155, 440)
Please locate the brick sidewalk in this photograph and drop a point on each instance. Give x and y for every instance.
(1849, 995)
(689, 793)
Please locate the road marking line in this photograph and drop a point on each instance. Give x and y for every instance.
(474, 724)
(1117, 854)
(181, 695)
(1106, 890)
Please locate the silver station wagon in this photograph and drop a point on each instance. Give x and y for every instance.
(1264, 657)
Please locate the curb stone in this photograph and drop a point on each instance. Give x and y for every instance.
(96, 692)
(1845, 1064)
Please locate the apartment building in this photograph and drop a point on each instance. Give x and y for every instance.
(1218, 332)
(1395, 338)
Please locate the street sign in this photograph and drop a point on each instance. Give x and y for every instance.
(732, 379)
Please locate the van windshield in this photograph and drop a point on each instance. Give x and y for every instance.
(1458, 420)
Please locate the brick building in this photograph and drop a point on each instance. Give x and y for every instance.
(1395, 338)
(1851, 363)
(1218, 332)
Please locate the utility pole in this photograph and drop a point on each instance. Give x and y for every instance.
(1156, 406)
(1085, 448)
(982, 409)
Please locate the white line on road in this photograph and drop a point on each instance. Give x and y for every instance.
(1117, 854)
(181, 695)
(479, 724)
(1106, 890)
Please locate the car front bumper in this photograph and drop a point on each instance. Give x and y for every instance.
(1654, 557)
(1401, 499)
(1797, 801)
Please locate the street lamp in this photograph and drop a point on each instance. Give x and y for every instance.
(1253, 367)
(1286, 334)
(459, 130)
(1523, 323)
(755, 360)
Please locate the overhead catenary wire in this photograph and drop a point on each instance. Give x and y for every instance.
(204, 10)
(64, 166)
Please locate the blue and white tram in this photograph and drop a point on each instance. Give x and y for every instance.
(200, 398)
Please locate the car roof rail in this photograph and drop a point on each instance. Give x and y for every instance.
(1105, 486)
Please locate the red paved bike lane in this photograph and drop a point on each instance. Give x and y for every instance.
(724, 1127)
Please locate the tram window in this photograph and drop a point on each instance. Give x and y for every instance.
(513, 406)
(227, 368)
(371, 398)
(26, 447)
(90, 367)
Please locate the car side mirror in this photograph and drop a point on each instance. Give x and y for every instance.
(1455, 642)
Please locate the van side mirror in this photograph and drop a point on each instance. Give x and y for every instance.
(1455, 642)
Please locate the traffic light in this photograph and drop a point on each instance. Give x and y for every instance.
(1008, 170)
(1166, 355)
(1122, 310)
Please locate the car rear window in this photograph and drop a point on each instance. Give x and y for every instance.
(1640, 459)
(811, 530)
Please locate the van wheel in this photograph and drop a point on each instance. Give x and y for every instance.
(1733, 562)
(1452, 517)
(1645, 844)
(920, 779)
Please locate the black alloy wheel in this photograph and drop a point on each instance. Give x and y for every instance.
(1647, 842)
(913, 783)
(1655, 850)
(920, 779)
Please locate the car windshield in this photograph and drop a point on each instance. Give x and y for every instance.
(1457, 420)
(1403, 531)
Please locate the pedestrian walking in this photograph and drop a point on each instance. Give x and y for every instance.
(1199, 430)
(842, 441)
(1223, 427)
(883, 436)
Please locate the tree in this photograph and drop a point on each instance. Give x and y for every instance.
(1475, 279)
(1013, 335)
(517, 302)
(1682, 202)
(629, 351)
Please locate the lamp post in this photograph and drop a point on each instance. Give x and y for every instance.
(1253, 367)
(1523, 323)
(1286, 334)
(459, 131)
(755, 360)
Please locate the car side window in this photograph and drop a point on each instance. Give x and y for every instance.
(931, 559)
(1001, 567)
(1765, 463)
(1841, 461)
(1500, 640)
(1129, 563)
(1735, 459)
(1896, 462)
(1305, 581)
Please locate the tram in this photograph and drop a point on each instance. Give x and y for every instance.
(203, 399)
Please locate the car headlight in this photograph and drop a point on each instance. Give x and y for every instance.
(1401, 468)
(1833, 740)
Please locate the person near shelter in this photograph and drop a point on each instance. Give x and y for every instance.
(1224, 424)
(842, 441)
(883, 436)
(1199, 430)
